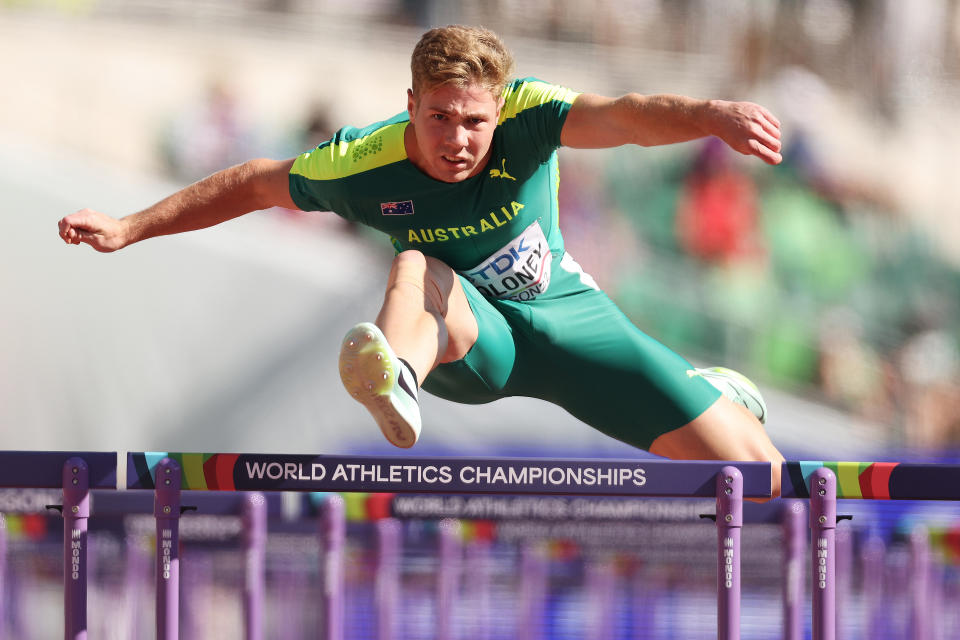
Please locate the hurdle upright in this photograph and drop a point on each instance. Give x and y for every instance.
(728, 482)
(824, 482)
(76, 473)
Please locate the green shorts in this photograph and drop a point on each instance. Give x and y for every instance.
(573, 347)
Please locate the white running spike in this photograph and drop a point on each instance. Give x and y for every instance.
(371, 373)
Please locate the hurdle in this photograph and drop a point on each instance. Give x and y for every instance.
(727, 482)
(164, 509)
(76, 473)
(822, 483)
(527, 521)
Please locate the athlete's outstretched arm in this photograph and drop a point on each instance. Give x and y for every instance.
(596, 122)
(251, 186)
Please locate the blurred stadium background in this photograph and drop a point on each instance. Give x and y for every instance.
(833, 280)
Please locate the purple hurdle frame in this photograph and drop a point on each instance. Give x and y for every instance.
(921, 591)
(477, 565)
(3, 577)
(167, 513)
(648, 477)
(823, 527)
(450, 556)
(818, 481)
(166, 507)
(333, 533)
(872, 556)
(533, 591)
(794, 524)
(76, 511)
(75, 473)
(255, 548)
(387, 587)
(78, 473)
(729, 485)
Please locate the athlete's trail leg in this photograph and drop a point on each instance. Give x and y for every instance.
(725, 431)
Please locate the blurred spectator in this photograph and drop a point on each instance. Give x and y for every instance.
(784, 349)
(804, 101)
(316, 129)
(853, 374)
(914, 37)
(930, 365)
(717, 212)
(422, 14)
(811, 250)
(208, 136)
(596, 233)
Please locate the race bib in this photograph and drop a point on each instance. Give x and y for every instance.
(519, 271)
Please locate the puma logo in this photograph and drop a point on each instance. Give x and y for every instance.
(502, 171)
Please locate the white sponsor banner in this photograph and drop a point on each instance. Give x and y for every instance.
(518, 271)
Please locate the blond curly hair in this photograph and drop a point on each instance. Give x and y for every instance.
(460, 56)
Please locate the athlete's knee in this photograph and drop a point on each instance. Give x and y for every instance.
(430, 276)
(409, 269)
(761, 449)
(408, 263)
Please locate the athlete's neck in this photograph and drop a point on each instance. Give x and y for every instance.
(410, 146)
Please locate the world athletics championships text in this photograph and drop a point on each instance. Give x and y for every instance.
(525, 474)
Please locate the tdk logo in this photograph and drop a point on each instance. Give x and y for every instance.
(520, 270)
(502, 263)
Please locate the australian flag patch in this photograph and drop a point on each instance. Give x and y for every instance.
(404, 208)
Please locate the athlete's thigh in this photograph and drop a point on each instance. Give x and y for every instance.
(481, 374)
(443, 296)
(601, 368)
(458, 316)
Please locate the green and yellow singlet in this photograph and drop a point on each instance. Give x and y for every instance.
(495, 228)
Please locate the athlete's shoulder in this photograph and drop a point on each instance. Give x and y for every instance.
(530, 93)
(355, 150)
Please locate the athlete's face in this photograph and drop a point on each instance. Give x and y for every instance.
(451, 130)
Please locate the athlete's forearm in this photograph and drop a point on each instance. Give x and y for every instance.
(746, 127)
(662, 119)
(227, 194)
(596, 122)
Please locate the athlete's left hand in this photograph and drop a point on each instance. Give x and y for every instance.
(747, 127)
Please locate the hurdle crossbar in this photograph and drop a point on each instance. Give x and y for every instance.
(396, 474)
(44, 469)
(876, 480)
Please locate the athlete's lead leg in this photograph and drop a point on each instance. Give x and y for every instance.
(425, 314)
(425, 320)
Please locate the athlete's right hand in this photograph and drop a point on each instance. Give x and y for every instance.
(100, 231)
